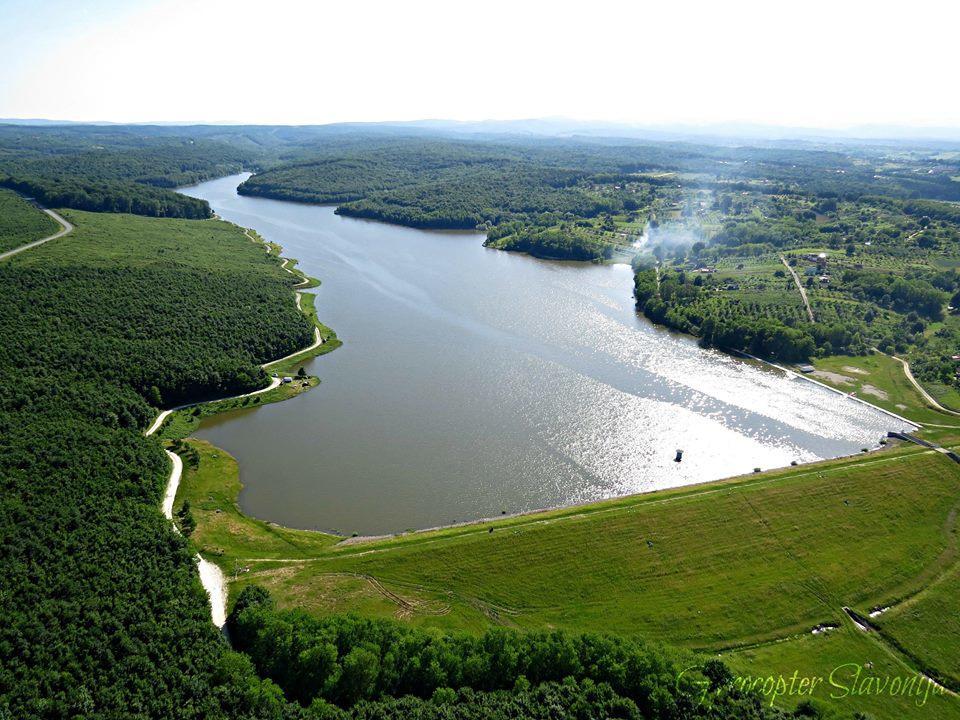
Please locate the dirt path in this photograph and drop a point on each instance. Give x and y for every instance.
(926, 396)
(796, 280)
(274, 382)
(211, 576)
(65, 228)
(317, 342)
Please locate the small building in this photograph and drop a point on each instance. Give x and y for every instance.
(805, 368)
(287, 380)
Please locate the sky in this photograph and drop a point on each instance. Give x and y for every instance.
(836, 64)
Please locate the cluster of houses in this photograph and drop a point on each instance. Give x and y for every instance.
(818, 269)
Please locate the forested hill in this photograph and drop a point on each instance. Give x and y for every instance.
(113, 170)
(102, 612)
(573, 199)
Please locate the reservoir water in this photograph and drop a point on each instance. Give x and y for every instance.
(473, 382)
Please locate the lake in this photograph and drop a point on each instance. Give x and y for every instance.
(474, 382)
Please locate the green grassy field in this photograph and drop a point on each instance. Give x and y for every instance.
(21, 222)
(849, 671)
(104, 240)
(720, 567)
(880, 380)
(927, 625)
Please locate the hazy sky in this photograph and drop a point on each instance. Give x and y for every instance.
(825, 64)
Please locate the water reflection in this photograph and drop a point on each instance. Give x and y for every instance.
(474, 381)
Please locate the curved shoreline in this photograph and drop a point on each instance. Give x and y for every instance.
(347, 540)
(211, 576)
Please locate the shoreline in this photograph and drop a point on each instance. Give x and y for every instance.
(801, 376)
(349, 540)
(212, 577)
(346, 541)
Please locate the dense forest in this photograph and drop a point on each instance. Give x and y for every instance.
(113, 171)
(566, 241)
(103, 614)
(21, 222)
(349, 667)
(597, 186)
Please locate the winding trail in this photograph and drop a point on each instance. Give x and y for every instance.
(796, 280)
(926, 396)
(274, 382)
(211, 576)
(65, 229)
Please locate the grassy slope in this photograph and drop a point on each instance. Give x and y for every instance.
(841, 653)
(928, 626)
(884, 374)
(727, 564)
(21, 222)
(796, 550)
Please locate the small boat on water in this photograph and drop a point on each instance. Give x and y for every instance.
(679, 455)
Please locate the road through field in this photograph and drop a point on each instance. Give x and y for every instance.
(66, 228)
(796, 279)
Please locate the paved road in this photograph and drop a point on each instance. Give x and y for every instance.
(66, 228)
(803, 292)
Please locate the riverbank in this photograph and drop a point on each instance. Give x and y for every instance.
(659, 564)
(175, 423)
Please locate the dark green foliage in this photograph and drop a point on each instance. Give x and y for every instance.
(115, 324)
(571, 700)
(897, 293)
(103, 614)
(438, 184)
(113, 170)
(110, 196)
(561, 243)
(674, 303)
(362, 664)
(931, 209)
(187, 522)
(21, 222)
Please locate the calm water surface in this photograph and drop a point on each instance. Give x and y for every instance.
(474, 381)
